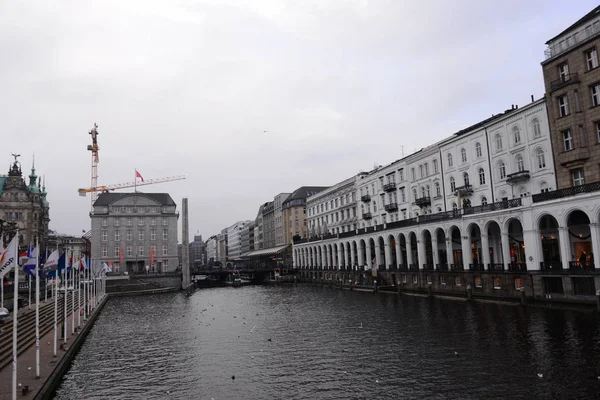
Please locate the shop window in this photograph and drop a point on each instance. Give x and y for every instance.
(478, 283)
(519, 284)
(497, 283)
(443, 280)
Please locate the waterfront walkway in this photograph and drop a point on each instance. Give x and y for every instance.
(26, 360)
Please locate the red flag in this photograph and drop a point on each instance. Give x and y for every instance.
(121, 256)
(152, 255)
(138, 175)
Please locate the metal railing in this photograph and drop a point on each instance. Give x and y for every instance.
(572, 41)
(551, 266)
(476, 267)
(367, 215)
(501, 205)
(428, 267)
(441, 267)
(564, 80)
(567, 192)
(365, 198)
(391, 207)
(576, 266)
(517, 267)
(496, 267)
(423, 201)
(390, 186)
(517, 176)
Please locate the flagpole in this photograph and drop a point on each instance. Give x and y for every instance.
(29, 306)
(78, 295)
(2, 287)
(37, 309)
(135, 181)
(55, 294)
(66, 299)
(15, 315)
(73, 296)
(85, 292)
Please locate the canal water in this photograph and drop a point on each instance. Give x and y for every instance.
(308, 342)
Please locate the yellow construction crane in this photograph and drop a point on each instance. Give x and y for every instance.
(107, 188)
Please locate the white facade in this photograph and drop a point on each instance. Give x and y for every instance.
(212, 249)
(426, 187)
(234, 239)
(333, 210)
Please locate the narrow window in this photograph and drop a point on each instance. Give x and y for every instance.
(502, 169)
(437, 189)
(595, 92)
(535, 124)
(452, 184)
(568, 140)
(520, 164)
(517, 135)
(481, 176)
(592, 59)
(449, 159)
(563, 106)
(597, 125)
(541, 158)
(435, 166)
(483, 201)
(581, 136)
(478, 149)
(498, 142)
(463, 155)
(578, 179)
(466, 178)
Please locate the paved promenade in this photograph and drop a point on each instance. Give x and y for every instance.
(26, 361)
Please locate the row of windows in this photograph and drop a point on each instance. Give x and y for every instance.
(563, 101)
(129, 251)
(129, 222)
(141, 235)
(332, 204)
(568, 139)
(458, 281)
(134, 209)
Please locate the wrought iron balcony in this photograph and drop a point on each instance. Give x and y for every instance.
(428, 267)
(517, 267)
(365, 198)
(496, 267)
(423, 201)
(563, 81)
(441, 267)
(457, 267)
(367, 215)
(551, 266)
(476, 267)
(515, 177)
(463, 191)
(572, 191)
(576, 266)
(392, 267)
(389, 187)
(391, 207)
(402, 267)
(413, 267)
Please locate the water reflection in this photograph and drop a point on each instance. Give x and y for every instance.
(307, 342)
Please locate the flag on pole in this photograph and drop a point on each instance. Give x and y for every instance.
(84, 263)
(8, 258)
(32, 255)
(138, 175)
(52, 262)
(121, 256)
(23, 256)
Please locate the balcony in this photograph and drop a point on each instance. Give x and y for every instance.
(476, 267)
(391, 207)
(496, 267)
(516, 177)
(576, 266)
(550, 266)
(402, 267)
(501, 205)
(365, 198)
(428, 267)
(389, 187)
(413, 267)
(517, 267)
(463, 191)
(456, 267)
(563, 81)
(367, 216)
(572, 191)
(441, 267)
(423, 201)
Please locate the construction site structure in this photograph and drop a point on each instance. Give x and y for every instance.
(107, 188)
(95, 159)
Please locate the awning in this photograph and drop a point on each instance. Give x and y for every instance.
(265, 252)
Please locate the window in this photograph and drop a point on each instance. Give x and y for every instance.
(415, 195)
(435, 166)
(104, 251)
(563, 106)
(403, 194)
(412, 174)
(422, 191)
(165, 264)
(541, 158)
(415, 279)
(140, 250)
(104, 222)
(502, 169)
(535, 125)
(129, 235)
(401, 174)
(117, 252)
(597, 124)
(568, 140)
(165, 234)
(420, 171)
(152, 221)
(152, 234)
(454, 206)
(443, 280)
(165, 221)
(519, 284)
(129, 251)
(457, 281)
(595, 92)
(463, 155)
(563, 72)
(117, 222)
(449, 159)
(104, 236)
(140, 221)
(165, 250)
(516, 134)
(437, 189)
(478, 282)
(483, 201)
(497, 283)
(520, 163)
(578, 178)
(117, 236)
(478, 149)
(374, 206)
(481, 176)
(141, 235)
(426, 169)
(128, 221)
(452, 184)
(592, 59)
(466, 178)
(498, 142)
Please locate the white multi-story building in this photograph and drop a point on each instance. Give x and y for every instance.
(212, 250)
(234, 239)
(333, 210)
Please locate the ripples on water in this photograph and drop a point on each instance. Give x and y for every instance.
(166, 346)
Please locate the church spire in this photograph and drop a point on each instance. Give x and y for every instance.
(33, 176)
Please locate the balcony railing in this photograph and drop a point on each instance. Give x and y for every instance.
(428, 267)
(402, 267)
(365, 198)
(392, 267)
(367, 215)
(572, 191)
(463, 191)
(389, 187)
(423, 201)
(413, 267)
(441, 267)
(381, 267)
(576, 266)
(521, 176)
(574, 40)
(501, 205)
(517, 267)
(391, 207)
(551, 266)
(496, 267)
(476, 267)
(564, 81)
(457, 267)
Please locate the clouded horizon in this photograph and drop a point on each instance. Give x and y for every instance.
(190, 87)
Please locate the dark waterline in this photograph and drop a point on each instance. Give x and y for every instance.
(166, 346)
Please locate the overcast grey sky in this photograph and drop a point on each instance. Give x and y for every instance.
(189, 87)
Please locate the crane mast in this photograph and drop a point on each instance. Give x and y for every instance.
(95, 159)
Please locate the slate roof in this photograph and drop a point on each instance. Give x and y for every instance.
(305, 191)
(105, 199)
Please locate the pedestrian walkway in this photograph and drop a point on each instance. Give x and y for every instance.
(26, 361)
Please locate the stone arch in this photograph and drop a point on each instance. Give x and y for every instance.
(440, 237)
(455, 258)
(428, 246)
(493, 231)
(516, 243)
(548, 226)
(414, 252)
(380, 257)
(403, 251)
(393, 261)
(475, 244)
(580, 239)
